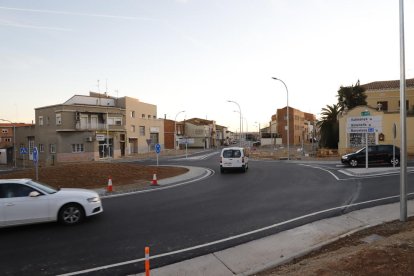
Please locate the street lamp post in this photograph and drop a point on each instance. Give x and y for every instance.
(259, 130)
(175, 129)
(240, 120)
(14, 141)
(287, 114)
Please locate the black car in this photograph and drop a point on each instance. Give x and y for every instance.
(378, 154)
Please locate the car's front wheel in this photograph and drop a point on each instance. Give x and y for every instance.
(353, 163)
(71, 214)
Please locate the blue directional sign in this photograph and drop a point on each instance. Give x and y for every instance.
(23, 150)
(157, 148)
(35, 154)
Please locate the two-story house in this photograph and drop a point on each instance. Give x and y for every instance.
(93, 127)
(200, 132)
(8, 150)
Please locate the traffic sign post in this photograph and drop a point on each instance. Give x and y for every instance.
(23, 151)
(157, 150)
(364, 124)
(36, 161)
(394, 135)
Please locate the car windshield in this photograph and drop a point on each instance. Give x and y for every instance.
(231, 153)
(360, 150)
(43, 187)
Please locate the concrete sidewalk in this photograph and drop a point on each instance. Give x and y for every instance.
(374, 171)
(268, 252)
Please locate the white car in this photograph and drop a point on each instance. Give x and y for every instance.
(24, 201)
(234, 158)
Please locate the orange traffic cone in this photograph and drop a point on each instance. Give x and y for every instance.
(154, 180)
(109, 188)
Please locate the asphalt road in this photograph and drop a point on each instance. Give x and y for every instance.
(217, 208)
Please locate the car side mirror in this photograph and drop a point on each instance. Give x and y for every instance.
(34, 194)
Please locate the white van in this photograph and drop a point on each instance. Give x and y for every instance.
(234, 158)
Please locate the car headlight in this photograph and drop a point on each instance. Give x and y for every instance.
(94, 199)
(344, 157)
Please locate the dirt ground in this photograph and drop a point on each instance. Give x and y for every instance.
(92, 175)
(388, 249)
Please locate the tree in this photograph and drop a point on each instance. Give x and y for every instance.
(329, 126)
(351, 96)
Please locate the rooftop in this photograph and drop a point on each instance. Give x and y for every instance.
(392, 84)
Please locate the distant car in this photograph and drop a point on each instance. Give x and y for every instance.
(256, 144)
(24, 201)
(234, 158)
(378, 154)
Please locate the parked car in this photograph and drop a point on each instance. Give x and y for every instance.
(24, 201)
(234, 158)
(378, 154)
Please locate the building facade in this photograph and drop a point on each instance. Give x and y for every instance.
(301, 126)
(8, 149)
(143, 129)
(199, 133)
(383, 109)
(94, 127)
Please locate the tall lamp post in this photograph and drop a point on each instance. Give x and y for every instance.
(175, 129)
(14, 140)
(240, 119)
(244, 121)
(259, 130)
(287, 114)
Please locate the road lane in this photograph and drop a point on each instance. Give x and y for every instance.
(221, 206)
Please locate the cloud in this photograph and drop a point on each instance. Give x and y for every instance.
(79, 14)
(19, 25)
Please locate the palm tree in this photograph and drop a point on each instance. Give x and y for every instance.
(351, 96)
(329, 126)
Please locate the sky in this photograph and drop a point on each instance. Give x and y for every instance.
(196, 55)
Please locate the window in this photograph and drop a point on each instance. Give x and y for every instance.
(7, 139)
(132, 114)
(52, 148)
(149, 116)
(231, 153)
(77, 148)
(40, 120)
(58, 119)
(41, 148)
(4, 130)
(132, 128)
(115, 121)
(382, 105)
(14, 190)
(406, 104)
(143, 116)
(154, 117)
(142, 130)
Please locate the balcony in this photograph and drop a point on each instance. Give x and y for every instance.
(90, 127)
(99, 126)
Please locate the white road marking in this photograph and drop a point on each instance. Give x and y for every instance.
(198, 157)
(322, 169)
(227, 239)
